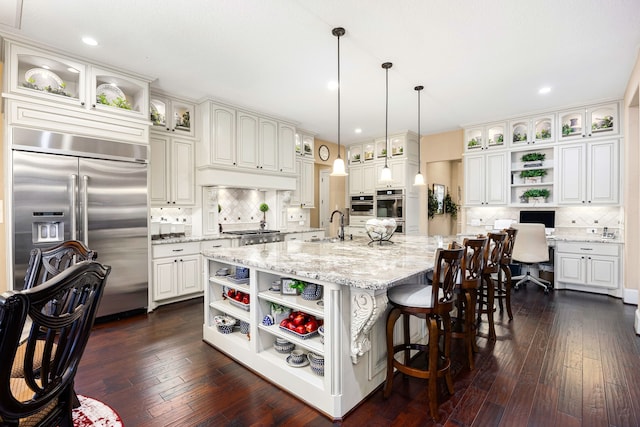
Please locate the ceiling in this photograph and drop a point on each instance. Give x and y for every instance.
(478, 60)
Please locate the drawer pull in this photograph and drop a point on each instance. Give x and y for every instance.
(586, 249)
(177, 250)
(216, 246)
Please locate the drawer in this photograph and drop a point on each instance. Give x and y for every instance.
(214, 244)
(609, 249)
(175, 249)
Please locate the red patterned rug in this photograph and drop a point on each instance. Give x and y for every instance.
(93, 413)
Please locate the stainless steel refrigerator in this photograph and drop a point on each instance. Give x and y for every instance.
(68, 187)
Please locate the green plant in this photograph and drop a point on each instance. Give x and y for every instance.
(532, 157)
(543, 134)
(432, 203)
(450, 206)
(102, 99)
(298, 285)
(121, 103)
(566, 129)
(519, 137)
(278, 309)
(356, 157)
(383, 152)
(264, 208)
(533, 173)
(473, 142)
(536, 192)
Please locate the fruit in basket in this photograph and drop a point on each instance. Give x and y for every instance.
(311, 325)
(300, 329)
(238, 296)
(245, 299)
(285, 323)
(231, 293)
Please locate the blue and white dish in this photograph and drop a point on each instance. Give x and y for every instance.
(268, 320)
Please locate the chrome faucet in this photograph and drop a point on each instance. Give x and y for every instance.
(341, 230)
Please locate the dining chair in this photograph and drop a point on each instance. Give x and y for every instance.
(492, 259)
(46, 263)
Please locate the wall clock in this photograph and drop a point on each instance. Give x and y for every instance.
(323, 152)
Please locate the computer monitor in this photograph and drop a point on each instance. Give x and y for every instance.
(548, 218)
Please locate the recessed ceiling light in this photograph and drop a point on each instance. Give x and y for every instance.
(332, 85)
(544, 90)
(90, 41)
(358, 130)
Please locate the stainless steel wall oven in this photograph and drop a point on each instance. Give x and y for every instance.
(390, 204)
(362, 205)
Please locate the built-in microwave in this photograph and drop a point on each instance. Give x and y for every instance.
(362, 205)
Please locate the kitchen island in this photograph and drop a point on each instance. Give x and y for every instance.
(354, 276)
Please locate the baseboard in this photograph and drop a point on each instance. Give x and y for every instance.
(630, 296)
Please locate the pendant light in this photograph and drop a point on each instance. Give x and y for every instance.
(338, 163)
(385, 175)
(419, 179)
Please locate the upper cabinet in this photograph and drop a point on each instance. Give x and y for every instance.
(168, 114)
(361, 153)
(593, 121)
(53, 91)
(304, 144)
(485, 137)
(532, 130)
(234, 138)
(68, 82)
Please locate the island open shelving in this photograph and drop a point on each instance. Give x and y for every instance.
(352, 311)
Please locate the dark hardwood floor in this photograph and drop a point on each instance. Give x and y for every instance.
(566, 359)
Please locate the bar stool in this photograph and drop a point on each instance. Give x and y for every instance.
(493, 255)
(503, 287)
(433, 303)
(467, 294)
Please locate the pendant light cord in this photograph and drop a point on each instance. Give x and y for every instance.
(338, 96)
(386, 66)
(419, 88)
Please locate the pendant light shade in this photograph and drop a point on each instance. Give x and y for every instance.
(419, 179)
(338, 163)
(385, 175)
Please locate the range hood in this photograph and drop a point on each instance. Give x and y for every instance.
(209, 177)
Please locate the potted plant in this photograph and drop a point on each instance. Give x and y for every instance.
(279, 312)
(309, 291)
(432, 203)
(533, 176)
(263, 208)
(533, 159)
(474, 143)
(450, 206)
(534, 195)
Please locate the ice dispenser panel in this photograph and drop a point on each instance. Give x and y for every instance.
(47, 228)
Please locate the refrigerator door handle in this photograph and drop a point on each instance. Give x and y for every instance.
(73, 203)
(85, 210)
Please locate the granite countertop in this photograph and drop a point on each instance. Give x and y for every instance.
(594, 238)
(350, 262)
(187, 239)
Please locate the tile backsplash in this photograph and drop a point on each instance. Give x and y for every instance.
(569, 220)
(240, 206)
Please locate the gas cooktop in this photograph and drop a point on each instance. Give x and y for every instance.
(246, 232)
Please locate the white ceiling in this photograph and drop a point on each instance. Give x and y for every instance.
(478, 60)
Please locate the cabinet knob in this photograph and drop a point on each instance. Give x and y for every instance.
(168, 202)
(173, 130)
(82, 103)
(173, 202)
(93, 105)
(168, 128)
(175, 260)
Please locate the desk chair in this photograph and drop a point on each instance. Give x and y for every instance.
(530, 249)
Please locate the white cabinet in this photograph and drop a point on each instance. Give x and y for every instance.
(55, 92)
(240, 139)
(532, 130)
(304, 195)
(592, 121)
(304, 144)
(588, 266)
(177, 272)
(485, 177)
(588, 173)
(217, 124)
(361, 153)
(304, 236)
(362, 178)
(169, 114)
(489, 136)
(172, 172)
(286, 148)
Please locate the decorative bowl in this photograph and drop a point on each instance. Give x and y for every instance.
(380, 229)
(284, 347)
(244, 327)
(317, 363)
(321, 333)
(224, 324)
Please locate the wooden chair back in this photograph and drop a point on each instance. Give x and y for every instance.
(507, 250)
(473, 263)
(46, 263)
(62, 311)
(493, 252)
(446, 274)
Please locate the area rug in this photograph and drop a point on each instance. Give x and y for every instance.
(93, 413)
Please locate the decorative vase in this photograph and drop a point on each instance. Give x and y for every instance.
(536, 200)
(533, 180)
(312, 292)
